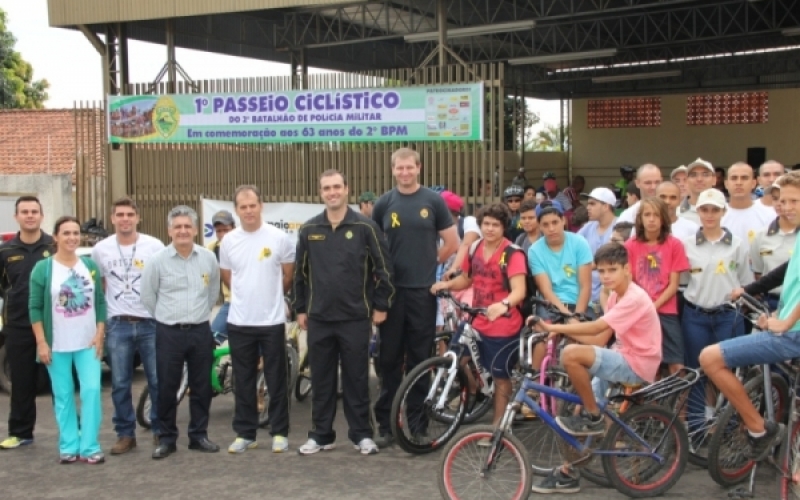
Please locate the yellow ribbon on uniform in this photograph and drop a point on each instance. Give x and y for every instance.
(395, 220)
(721, 268)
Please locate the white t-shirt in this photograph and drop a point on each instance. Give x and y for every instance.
(684, 228)
(74, 322)
(255, 260)
(746, 223)
(122, 267)
(629, 214)
(471, 226)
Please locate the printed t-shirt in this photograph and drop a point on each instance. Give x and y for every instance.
(562, 266)
(638, 331)
(487, 287)
(651, 266)
(74, 322)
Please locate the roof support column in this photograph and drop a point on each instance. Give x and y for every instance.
(441, 22)
(172, 73)
(299, 69)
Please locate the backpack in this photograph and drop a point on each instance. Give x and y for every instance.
(526, 306)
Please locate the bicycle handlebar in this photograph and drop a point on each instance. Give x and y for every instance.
(473, 311)
(555, 311)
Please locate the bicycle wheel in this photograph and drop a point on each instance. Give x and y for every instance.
(789, 473)
(700, 426)
(642, 477)
(462, 475)
(302, 388)
(727, 464)
(417, 425)
(293, 365)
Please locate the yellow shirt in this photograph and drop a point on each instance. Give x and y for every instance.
(226, 292)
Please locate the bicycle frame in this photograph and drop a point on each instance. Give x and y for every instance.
(469, 338)
(546, 401)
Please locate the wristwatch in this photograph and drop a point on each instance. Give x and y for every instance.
(506, 303)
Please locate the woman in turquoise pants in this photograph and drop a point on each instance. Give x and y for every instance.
(68, 313)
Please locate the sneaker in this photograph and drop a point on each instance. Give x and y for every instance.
(312, 447)
(279, 444)
(558, 482)
(384, 440)
(241, 445)
(367, 447)
(14, 442)
(123, 445)
(94, 458)
(582, 425)
(759, 447)
(67, 458)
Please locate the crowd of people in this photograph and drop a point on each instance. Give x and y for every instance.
(651, 286)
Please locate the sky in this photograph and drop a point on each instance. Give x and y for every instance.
(67, 60)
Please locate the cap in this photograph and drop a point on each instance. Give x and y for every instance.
(774, 185)
(549, 203)
(627, 169)
(700, 163)
(681, 169)
(223, 217)
(367, 196)
(711, 197)
(603, 195)
(548, 175)
(453, 201)
(550, 185)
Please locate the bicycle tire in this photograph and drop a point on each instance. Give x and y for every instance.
(434, 427)
(292, 361)
(727, 466)
(788, 487)
(520, 466)
(674, 445)
(302, 388)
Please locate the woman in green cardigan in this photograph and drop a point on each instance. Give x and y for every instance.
(68, 313)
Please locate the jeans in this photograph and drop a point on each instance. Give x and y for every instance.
(123, 339)
(76, 437)
(610, 366)
(220, 324)
(700, 330)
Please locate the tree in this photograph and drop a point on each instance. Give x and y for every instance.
(513, 122)
(17, 88)
(548, 139)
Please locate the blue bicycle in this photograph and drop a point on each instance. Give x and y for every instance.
(644, 451)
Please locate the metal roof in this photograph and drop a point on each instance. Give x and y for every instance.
(648, 46)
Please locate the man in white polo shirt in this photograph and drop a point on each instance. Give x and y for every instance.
(744, 217)
(701, 176)
(648, 177)
(256, 263)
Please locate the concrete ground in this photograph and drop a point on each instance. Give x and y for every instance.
(33, 472)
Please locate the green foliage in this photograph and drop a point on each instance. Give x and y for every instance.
(549, 139)
(17, 87)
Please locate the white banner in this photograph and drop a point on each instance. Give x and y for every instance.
(286, 216)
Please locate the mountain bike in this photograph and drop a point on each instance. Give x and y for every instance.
(644, 452)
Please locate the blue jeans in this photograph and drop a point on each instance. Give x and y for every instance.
(77, 437)
(123, 339)
(700, 330)
(220, 324)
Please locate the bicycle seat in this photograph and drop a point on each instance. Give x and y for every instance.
(629, 388)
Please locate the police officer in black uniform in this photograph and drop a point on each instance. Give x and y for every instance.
(17, 258)
(342, 285)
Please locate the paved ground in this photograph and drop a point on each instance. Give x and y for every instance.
(33, 472)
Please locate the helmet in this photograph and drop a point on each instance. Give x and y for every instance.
(513, 190)
(548, 175)
(626, 169)
(438, 188)
(453, 201)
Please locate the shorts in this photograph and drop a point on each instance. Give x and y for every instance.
(672, 351)
(610, 366)
(499, 355)
(760, 348)
(543, 313)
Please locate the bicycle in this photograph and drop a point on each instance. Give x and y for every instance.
(222, 382)
(433, 399)
(644, 452)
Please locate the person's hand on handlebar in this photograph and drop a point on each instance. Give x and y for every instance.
(736, 293)
(439, 286)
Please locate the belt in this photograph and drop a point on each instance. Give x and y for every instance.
(184, 326)
(714, 310)
(129, 319)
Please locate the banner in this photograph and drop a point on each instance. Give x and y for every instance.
(434, 113)
(286, 216)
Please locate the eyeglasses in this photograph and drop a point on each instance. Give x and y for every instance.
(693, 175)
(514, 200)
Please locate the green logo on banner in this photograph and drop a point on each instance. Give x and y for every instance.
(166, 117)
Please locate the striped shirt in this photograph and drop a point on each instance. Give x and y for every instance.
(181, 290)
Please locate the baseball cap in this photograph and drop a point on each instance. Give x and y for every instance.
(774, 185)
(453, 201)
(700, 163)
(550, 185)
(367, 196)
(603, 195)
(677, 171)
(223, 217)
(549, 203)
(711, 197)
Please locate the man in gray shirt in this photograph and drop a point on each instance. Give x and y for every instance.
(180, 286)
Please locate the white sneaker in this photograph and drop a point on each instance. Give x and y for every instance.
(312, 447)
(279, 444)
(241, 445)
(367, 447)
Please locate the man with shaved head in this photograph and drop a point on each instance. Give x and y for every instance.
(648, 177)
